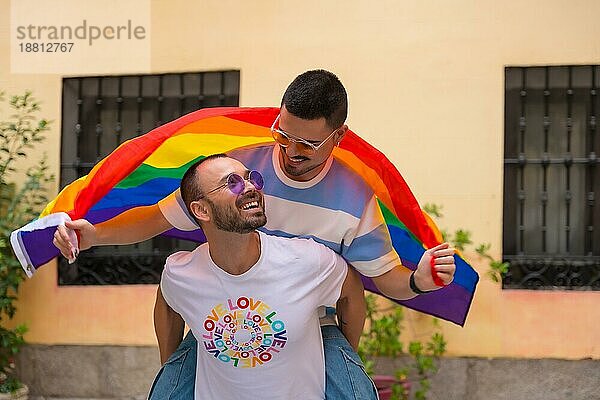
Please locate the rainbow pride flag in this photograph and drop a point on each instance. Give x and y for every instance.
(146, 169)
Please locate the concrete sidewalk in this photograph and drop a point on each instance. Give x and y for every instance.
(122, 373)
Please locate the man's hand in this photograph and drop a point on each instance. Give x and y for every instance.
(443, 265)
(132, 226)
(87, 238)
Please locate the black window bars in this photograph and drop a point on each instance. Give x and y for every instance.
(101, 112)
(551, 233)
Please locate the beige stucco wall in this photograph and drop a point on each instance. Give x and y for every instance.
(425, 81)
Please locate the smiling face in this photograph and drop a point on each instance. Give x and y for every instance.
(230, 212)
(296, 162)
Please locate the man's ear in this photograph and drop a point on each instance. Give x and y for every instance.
(339, 135)
(200, 210)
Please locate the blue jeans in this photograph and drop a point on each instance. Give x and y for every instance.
(176, 379)
(345, 376)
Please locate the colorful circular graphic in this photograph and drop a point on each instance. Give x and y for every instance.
(246, 333)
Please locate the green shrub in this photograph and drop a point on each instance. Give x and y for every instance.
(20, 202)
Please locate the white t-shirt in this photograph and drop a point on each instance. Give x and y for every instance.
(258, 333)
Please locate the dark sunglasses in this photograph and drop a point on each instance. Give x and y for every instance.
(236, 183)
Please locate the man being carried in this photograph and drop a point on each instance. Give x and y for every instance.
(250, 298)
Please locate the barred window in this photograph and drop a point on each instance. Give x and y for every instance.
(551, 233)
(98, 114)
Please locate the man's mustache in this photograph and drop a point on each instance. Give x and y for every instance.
(250, 196)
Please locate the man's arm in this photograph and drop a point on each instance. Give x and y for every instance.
(351, 308)
(168, 326)
(395, 282)
(132, 226)
(372, 238)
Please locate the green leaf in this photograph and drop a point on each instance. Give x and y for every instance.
(461, 239)
(435, 210)
(483, 249)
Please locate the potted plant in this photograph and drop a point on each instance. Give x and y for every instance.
(20, 202)
(381, 340)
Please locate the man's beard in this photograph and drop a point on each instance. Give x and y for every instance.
(229, 219)
(297, 170)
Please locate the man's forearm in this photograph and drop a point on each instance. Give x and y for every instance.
(168, 326)
(351, 308)
(132, 226)
(437, 261)
(395, 284)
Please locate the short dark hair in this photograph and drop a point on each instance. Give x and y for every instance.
(189, 187)
(317, 94)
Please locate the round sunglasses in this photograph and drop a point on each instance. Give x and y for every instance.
(236, 183)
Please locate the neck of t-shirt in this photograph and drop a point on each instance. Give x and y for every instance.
(234, 253)
(290, 181)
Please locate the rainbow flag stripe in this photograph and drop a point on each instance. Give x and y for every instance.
(146, 169)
